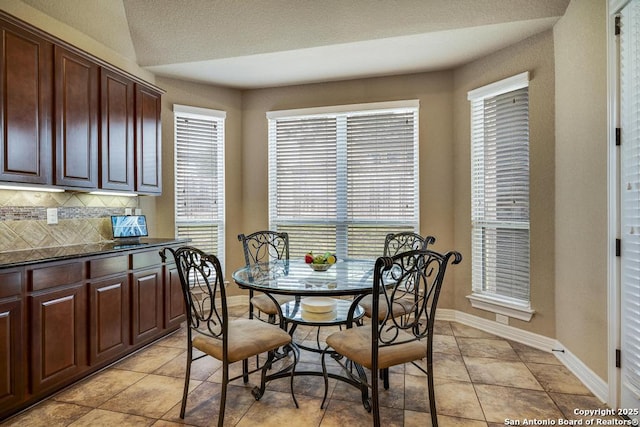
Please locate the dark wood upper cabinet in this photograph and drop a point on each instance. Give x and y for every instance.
(76, 119)
(148, 141)
(116, 131)
(72, 120)
(25, 106)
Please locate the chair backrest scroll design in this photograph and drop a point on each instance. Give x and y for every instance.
(203, 290)
(264, 246)
(395, 243)
(419, 273)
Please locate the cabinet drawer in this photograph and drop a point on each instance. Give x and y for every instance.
(106, 266)
(10, 284)
(146, 259)
(49, 277)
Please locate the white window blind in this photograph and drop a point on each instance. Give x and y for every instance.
(199, 177)
(341, 180)
(500, 191)
(630, 203)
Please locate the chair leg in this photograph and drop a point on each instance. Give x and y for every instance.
(223, 393)
(432, 401)
(187, 375)
(385, 378)
(296, 353)
(374, 400)
(432, 391)
(325, 376)
(245, 370)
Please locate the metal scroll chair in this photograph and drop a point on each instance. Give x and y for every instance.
(396, 243)
(391, 342)
(265, 246)
(211, 331)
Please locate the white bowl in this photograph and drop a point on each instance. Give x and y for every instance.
(318, 304)
(318, 317)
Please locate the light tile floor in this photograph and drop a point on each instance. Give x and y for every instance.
(481, 380)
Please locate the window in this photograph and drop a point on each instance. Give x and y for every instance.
(500, 197)
(341, 178)
(199, 177)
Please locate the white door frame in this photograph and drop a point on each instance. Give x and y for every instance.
(614, 201)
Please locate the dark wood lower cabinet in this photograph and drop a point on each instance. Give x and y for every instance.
(146, 305)
(174, 313)
(58, 336)
(62, 320)
(109, 319)
(12, 386)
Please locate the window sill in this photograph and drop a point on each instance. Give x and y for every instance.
(494, 305)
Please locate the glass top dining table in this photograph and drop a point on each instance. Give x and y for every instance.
(295, 277)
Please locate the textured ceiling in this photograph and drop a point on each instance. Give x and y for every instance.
(261, 43)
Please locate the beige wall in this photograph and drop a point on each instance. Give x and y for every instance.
(536, 56)
(161, 209)
(436, 161)
(581, 182)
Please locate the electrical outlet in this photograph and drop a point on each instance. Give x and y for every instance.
(52, 215)
(127, 211)
(501, 318)
(138, 211)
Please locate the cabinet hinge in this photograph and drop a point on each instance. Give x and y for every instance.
(617, 26)
(618, 136)
(618, 247)
(618, 358)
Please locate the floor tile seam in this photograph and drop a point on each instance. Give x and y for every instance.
(546, 388)
(182, 354)
(468, 373)
(542, 388)
(475, 391)
(145, 375)
(87, 380)
(152, 419)
(557, 404)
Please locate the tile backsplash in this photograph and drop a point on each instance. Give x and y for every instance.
(82, 218)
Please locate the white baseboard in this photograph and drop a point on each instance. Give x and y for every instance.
(593, 382)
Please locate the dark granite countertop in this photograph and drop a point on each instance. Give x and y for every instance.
(34, 256)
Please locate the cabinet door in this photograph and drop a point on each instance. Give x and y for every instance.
(147, 305)
(116, 135)
(11, 354)
(148, 141)
(76, 112)
(25, 107)
(174, 313)
(108, 319)
(58, 336)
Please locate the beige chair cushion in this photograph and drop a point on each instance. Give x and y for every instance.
(246, 338)
(355, 344)
(400, 307)
(265, 304)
